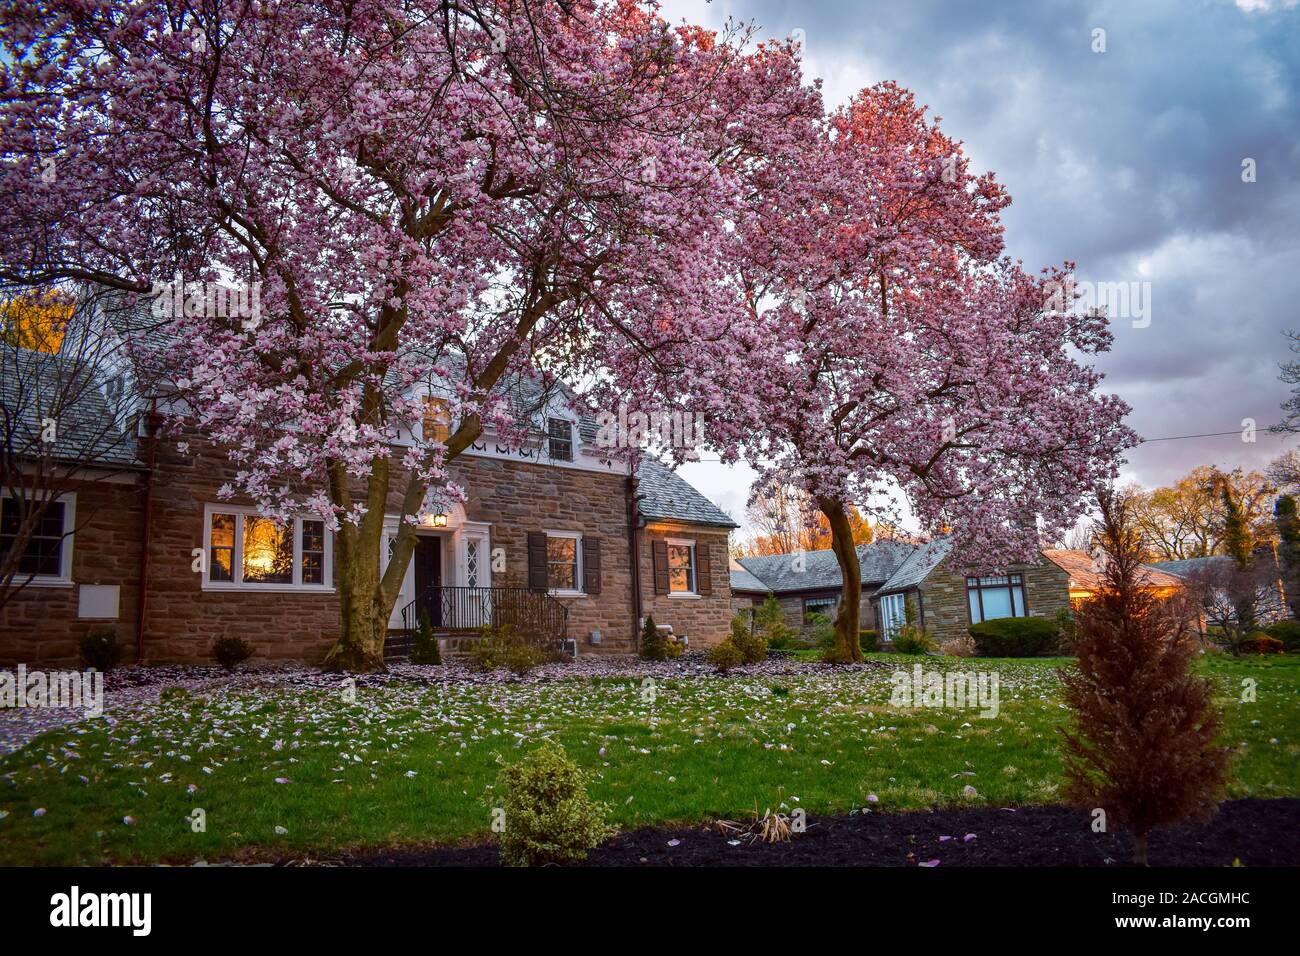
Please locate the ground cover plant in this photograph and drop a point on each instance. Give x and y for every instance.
(304, 767)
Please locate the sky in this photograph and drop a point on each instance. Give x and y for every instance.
(1128, 161)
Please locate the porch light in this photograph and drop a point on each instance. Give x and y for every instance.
(438, 521)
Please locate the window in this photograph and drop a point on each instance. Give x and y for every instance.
(252, 552)
(893, 614)
(562, 554)
(471, 561)
(559, 433)
(818, 605)
(681, 567)
(998, 595)
(47, 555)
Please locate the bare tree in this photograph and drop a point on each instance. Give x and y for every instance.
(67, 417)
(1236, 602)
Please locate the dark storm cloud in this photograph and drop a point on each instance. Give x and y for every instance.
(1128, 162)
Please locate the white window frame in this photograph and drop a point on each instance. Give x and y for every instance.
(64, 578)
(572, 439)
(694, 590)
(893, 614)
(576, 590)
(237, 557)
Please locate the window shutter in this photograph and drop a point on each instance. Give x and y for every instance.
(591, 565)
(537, 560)
(659, 551)
(703, 570)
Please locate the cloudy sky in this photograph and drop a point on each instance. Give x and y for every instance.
(1128, 161)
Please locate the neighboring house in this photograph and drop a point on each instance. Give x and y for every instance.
(946, 603)
(1268, 602)
(809, 582)
(157, 556)
(1086, 580)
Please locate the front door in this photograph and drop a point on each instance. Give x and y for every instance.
(428, 578)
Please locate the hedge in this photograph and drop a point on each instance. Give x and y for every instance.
(1016, 637)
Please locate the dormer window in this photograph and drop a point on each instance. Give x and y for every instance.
(559, 434)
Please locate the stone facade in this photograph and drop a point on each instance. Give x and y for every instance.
(704, 618)
(182, 619)
(944, 612)
(42, 624)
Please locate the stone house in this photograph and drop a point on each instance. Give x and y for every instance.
(946, 603)
(147, 547)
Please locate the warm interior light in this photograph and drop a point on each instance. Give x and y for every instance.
(440, 521)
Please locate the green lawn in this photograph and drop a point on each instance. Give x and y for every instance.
(406, 765)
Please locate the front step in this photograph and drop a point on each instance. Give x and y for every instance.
(454, 644)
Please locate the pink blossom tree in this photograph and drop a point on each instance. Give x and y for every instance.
(880, 346)
(429, 199)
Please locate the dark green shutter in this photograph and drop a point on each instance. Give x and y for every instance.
(537, 560)
(591, 565)
(659, 552)
(703, 570)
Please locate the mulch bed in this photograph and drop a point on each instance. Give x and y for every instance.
(1256, 832)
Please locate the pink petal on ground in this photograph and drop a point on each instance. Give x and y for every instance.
(929, 863)
(968, 837)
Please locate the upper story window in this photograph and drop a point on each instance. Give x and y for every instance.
(46, 556)
(563, 558)
(994, 596)
(559, 436)
(681, 567)
(249, 551)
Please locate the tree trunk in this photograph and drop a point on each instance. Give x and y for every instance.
(848, 619)
(1140, 849)
(363, 612)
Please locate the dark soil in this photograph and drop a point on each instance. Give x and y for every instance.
(1255, 832)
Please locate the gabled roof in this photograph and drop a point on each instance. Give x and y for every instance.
(918, 566)
(39, 385)
(819, 570)
(665, 495)
(1079, 565)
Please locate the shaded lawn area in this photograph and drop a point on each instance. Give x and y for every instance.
(409, 763)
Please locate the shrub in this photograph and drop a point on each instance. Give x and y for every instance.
(869, 640)
(769, 620)
(1145, 766)
(1067, 629)
(652, 642)
(230, 652)
(910, 639)
(505, 647)
(1288, 632)
(752, 647)
(963, 646)
(725, 656)
(1260, 643)
(549, 816)
(1016, 637)
(673, 648)
(426, 649)
(99, 650)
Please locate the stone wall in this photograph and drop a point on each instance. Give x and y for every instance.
(945, 613)
(704, 618)
(41, 625)
(182, 620)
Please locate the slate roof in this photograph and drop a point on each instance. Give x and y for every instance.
(1079, 565)
(918, 566)
(819, 570)
(668, 496)
(1186, 566)
(742, 580)
(37, 385)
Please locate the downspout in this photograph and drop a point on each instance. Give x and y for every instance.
(146, 528)
(634, 552)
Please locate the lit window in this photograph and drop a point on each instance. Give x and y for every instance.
(994, 596)
(248, 550)
(681, 567)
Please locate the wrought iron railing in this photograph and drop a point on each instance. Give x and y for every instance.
(533, 614)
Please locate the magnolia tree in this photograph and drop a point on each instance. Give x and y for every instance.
(880, 345)
(414, 200)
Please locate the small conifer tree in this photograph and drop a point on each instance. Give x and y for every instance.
(652, 642)
(1141, 744)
